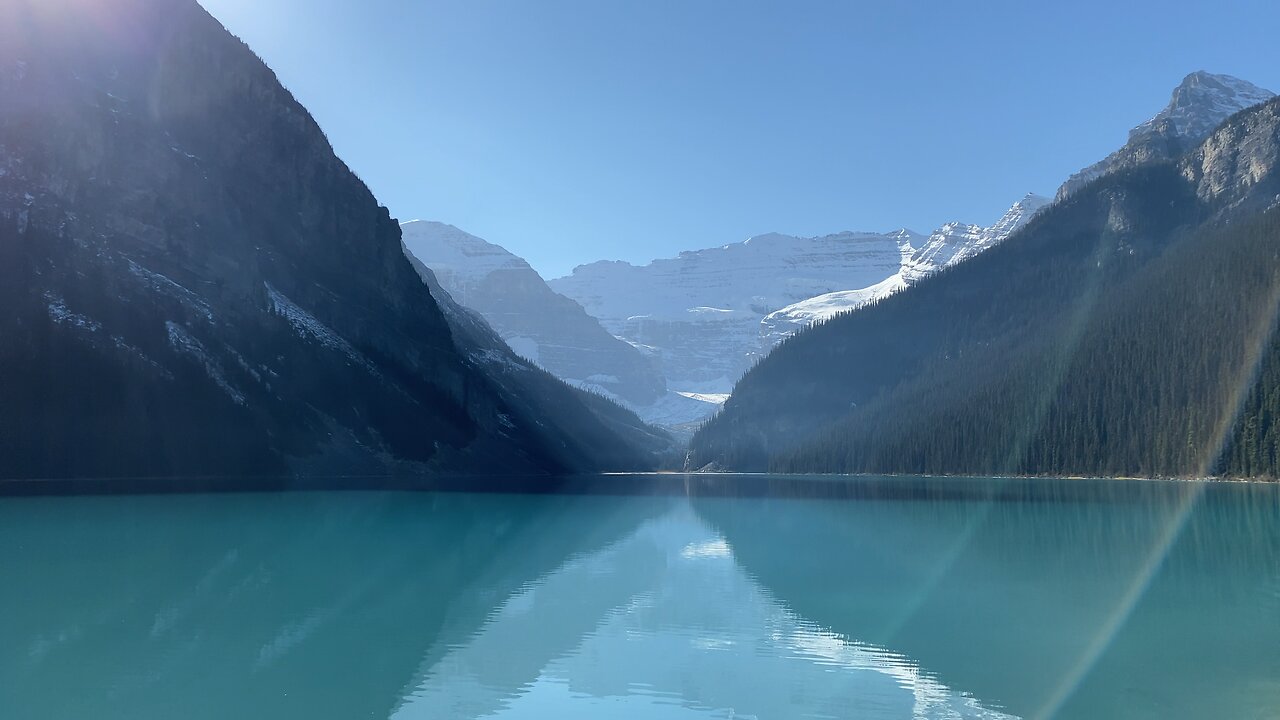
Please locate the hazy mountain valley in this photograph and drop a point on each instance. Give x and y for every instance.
(689, 415)
(190, 235)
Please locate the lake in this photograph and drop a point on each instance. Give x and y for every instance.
(648, 597)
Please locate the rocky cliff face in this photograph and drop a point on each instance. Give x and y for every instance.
(192, 283)
(1236, 163)
(1199, 104)
(538, 323)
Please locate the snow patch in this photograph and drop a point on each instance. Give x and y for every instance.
(712, 398)
(778, 325)
(171, 288)
(182, 341)
(58, 312)
(306, 325)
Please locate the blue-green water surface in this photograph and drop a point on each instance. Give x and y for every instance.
(931, 599)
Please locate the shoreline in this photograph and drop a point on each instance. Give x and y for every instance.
(705, 484)
(1118, 478)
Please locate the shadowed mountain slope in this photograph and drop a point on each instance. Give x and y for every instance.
(192, 283)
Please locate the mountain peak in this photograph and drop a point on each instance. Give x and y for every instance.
(457, 257)
(1200, 103)
(1201, 79)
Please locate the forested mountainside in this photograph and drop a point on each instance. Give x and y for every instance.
(1119, 333)
(192, 283)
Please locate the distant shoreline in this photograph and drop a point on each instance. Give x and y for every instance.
(746, 485)
(1208, 479)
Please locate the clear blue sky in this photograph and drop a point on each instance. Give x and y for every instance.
(578, 130)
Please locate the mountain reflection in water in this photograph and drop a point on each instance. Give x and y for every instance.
(666, 624)
(883, 599)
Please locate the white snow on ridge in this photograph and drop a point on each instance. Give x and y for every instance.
(183, 341)
(956, 242)
(305, 324)
(167, 286)
(776, 326)
(714, 398)
(58, 312)
(950, 244)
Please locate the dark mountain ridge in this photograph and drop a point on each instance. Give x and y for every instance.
(192, 283)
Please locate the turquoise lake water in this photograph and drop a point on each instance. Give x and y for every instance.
(791, 599)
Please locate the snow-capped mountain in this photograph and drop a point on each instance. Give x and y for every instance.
(709, 314)
(1199, 104)
(956, 242)
(538, 323)
(700, 312)
(950, 244)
